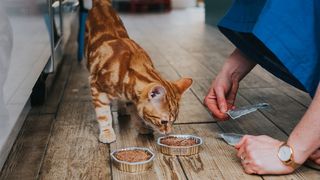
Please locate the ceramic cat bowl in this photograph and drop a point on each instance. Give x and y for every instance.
(179, 145)
(133, 159)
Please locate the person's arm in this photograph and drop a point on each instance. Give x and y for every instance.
(305, 138)
(222, 94)
(259, 153)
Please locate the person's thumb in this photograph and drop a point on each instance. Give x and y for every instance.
(222, 103)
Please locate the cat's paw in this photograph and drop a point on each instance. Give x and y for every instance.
(107, 136)
(145, 131)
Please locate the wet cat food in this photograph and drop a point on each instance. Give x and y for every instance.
(175, 141)
(133, 155)
(179, 145)
(133, 159)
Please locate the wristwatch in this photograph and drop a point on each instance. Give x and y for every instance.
(286, 156)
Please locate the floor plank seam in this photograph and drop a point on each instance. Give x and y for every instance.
(183, 170)
(64, 88)
(54, 121)
(42, 114)
(14, 144)
(244, 88)
(263, 114)
(188, 123)
(201, 62)
(294, 99)
(71, 101)
(45, 149)
(110, 162)
(288, 95)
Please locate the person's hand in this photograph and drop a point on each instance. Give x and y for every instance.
(259, 155)
(221, 95)
(315, 156)
(223, 91)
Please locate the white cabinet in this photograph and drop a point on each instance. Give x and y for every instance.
(25, 48)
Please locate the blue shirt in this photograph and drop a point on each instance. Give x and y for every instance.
(282, 36)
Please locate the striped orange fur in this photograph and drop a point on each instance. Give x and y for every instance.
(121, 69)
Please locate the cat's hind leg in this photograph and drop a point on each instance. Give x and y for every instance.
(102, 106)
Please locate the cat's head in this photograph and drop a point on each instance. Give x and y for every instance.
(158, 104)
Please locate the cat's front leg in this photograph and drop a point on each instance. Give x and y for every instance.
(104, 117)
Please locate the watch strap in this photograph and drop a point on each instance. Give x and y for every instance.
(293, 164)
(291, 161)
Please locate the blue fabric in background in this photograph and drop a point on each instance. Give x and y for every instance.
(290, 30)
(82, 28)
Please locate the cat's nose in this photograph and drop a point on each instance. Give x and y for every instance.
(164, 122)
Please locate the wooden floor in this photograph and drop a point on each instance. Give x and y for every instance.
(59, 140)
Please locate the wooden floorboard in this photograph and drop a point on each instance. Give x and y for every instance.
(60, 139)
(25, 158)
(260, 124)
(74, 151)
(298, 95)
(284, 111)
(217, 160)
(192, 110)
(164, 167)
(78, 88)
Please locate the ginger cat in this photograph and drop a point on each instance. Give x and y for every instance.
(121, 69)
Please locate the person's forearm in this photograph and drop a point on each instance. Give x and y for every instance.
(305, 138)
(237, 65)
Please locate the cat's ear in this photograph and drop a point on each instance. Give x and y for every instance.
(183, 84)
(156, 93)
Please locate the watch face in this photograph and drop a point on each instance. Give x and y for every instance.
(284, 153)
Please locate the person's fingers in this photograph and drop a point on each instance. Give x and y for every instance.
(222, 117)
(315, 155)
(222, 103)
(229, 106)
(241, 153)
(247, 166)
(241, 142)
(249, 171)
(233, 93)
(246, 160)
(212, 104)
